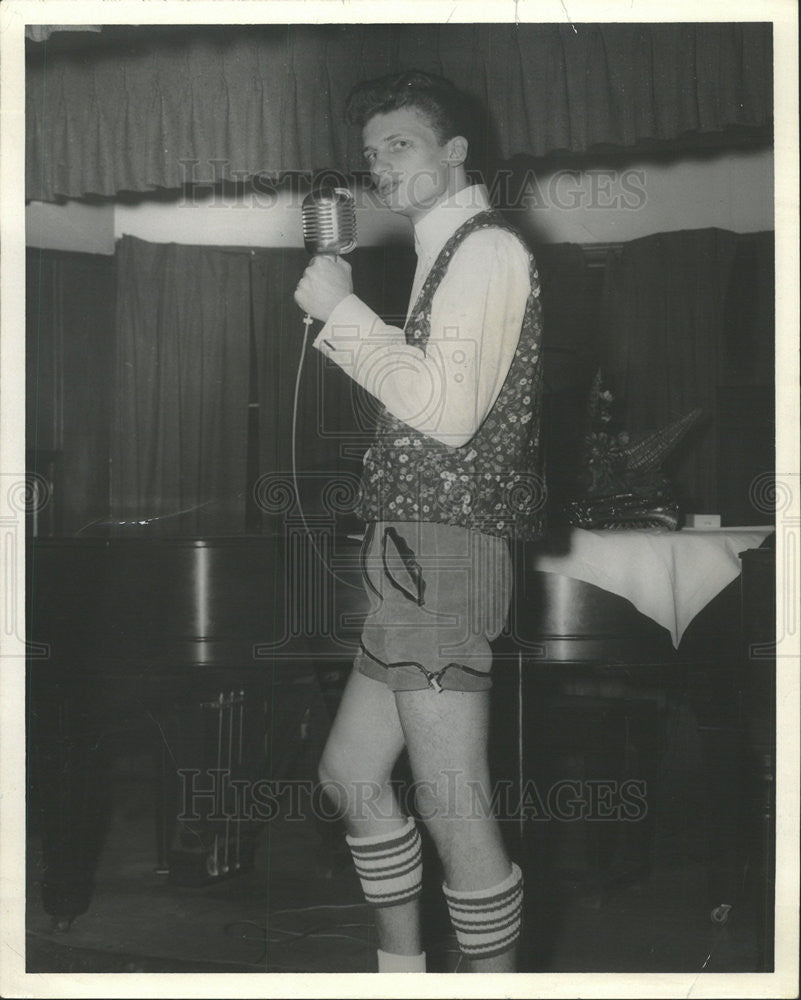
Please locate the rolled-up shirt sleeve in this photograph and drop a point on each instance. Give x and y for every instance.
(447, 390)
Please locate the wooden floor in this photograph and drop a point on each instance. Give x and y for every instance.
(300, 910)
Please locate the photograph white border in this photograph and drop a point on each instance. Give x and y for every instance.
(14, 14)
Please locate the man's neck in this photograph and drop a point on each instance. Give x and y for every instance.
(456, 182)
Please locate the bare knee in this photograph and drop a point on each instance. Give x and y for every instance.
(357, 788)
(334, 775)
(453, 795)
(432, 802)
(329, 770)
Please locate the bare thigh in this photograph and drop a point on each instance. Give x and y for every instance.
(366, 738)
(446, 730)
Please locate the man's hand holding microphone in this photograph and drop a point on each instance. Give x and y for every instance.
(325, 283)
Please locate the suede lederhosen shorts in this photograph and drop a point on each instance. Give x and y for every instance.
(439, 594)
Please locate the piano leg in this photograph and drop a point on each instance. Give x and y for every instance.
(70, 792)
(163, 803)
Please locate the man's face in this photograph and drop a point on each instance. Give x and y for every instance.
(408, 164)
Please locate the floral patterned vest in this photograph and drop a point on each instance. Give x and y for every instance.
(493, 483)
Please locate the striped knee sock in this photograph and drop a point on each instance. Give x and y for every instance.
(389, 865)
(487, 921)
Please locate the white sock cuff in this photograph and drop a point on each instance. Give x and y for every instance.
(388, 962)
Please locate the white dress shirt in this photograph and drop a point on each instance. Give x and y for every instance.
(476, 314)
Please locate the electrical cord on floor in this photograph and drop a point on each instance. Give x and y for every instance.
(319, 906)
(264, 938)
(319, 932)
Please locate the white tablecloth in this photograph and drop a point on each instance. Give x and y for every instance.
(667, 575)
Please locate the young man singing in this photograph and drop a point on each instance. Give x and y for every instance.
(451, 476)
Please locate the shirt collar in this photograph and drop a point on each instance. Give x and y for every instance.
(436, 227)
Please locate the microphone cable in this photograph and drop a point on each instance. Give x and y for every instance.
(307, 322)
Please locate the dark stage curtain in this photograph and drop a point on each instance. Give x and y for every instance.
(570, 296)
(179, 440)
(671, 339)
(750, 344)
(69, 318)
(154, 107)
(686, 320)
(204, 331)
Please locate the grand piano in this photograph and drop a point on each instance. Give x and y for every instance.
(242, 634)
(214, 651)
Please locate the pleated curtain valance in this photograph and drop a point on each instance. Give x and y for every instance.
(153, 107)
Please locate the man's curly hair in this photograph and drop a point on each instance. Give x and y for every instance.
(449, 112)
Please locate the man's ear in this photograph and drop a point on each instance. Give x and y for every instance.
(457, 151)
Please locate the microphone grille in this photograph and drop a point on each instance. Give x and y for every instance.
(329, 221)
